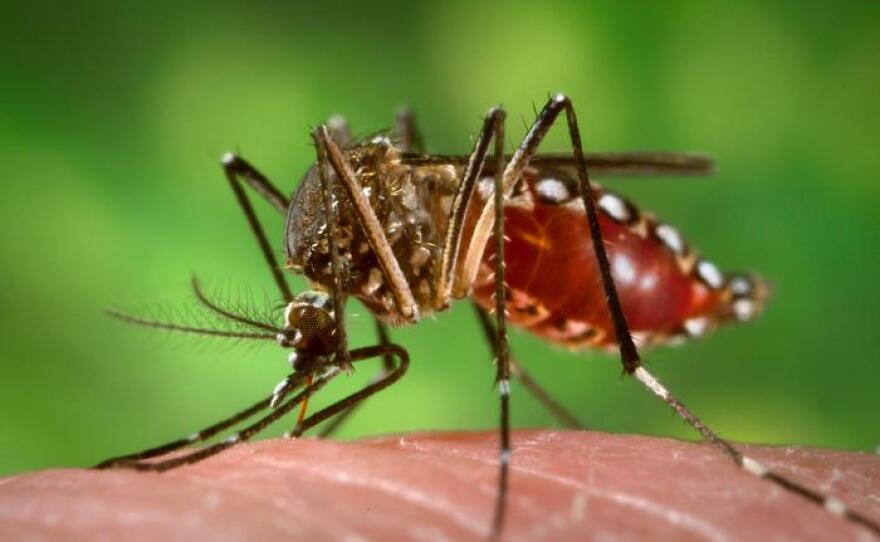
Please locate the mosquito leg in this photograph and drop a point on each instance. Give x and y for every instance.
(339, 131)
(562, 415)
(330, 200)
(241, 168)
(241, 436)
(628, 164)
(754, 467)
(237, 168)
(406, 133)
(384, 340)
(347, 404)
(198, 436)
(458, 211)
(502, 346)
(606, 164)
(629, 355)
(295, 380)
(388, 366)
(406, 136)
(492, 129)
(329, 152)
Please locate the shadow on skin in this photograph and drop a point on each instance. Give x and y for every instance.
(441, 486)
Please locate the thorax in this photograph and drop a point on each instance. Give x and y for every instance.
(410, 202)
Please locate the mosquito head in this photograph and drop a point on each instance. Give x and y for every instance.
(309, 326)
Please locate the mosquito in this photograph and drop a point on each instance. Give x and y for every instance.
(528, 237)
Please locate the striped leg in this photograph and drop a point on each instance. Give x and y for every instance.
(237, 169)
(629, 355)
(350, 402)
(388, 367)
(406, 133)
(562, 415)
(407, 137)
(628, 352)
(331, 156)
(502, 346)
(135, 461)
(198, 436)
(832, 505)
(492, 130)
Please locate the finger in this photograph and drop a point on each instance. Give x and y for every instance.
(564, 486)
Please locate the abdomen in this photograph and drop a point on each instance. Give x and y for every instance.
(667, 290)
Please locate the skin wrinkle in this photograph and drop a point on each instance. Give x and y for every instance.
(674, 517)
(769, 494)
(288, 529)
(417, 498)
(476, 525)
(625, 478)
(285, 508)
(133, 519)
(559, 522)
(145, 517)
(828, 485)
(428, 534)
(525, 502)
(227, 484)
(461, 454)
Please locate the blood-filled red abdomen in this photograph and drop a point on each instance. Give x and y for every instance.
(555, 290)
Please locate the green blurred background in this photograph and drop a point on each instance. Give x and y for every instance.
(113, 118)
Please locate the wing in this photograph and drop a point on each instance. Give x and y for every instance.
(600, 164)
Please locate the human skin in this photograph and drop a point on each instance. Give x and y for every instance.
(441, 486)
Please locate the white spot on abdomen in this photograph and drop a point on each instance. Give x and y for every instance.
(695, 327)
(624, 270)
(552, 190)
(670, 237)
(649, 281)
(614, 207)
(743, 309)
(710, 274)
(740, 286)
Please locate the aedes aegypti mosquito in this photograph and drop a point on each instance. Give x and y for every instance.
(406, 233)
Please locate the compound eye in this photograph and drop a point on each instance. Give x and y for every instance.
(310, 317)
(310, 321)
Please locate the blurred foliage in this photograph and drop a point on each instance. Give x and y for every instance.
(113, 116)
